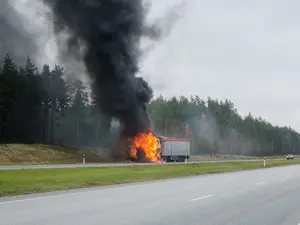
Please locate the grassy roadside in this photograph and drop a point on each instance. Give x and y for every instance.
(31, 154)
(34, 181)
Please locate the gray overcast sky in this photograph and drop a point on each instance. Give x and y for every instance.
(246, 51)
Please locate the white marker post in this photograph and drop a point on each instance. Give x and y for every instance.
(265, 161)
(83, 159)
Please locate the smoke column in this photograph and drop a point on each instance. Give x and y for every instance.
(110, 31)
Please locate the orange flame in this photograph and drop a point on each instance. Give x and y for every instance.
(147, 143)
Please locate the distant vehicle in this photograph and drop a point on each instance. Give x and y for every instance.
(174, 149)
(290, 156)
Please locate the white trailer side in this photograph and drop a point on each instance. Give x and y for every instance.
(175, 149)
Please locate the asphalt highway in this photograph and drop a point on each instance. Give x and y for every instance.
(261, 197)
(89, 165)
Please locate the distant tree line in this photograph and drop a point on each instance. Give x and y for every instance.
(215, 127)
(45, 107)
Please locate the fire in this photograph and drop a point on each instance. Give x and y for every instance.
(145, 146)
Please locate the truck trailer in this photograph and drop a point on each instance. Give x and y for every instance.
(174, 149)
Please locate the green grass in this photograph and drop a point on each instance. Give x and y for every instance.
(16, 182)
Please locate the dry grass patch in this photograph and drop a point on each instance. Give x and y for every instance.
(40, 153)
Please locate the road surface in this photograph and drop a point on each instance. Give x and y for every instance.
(261, 197)
(64, 166)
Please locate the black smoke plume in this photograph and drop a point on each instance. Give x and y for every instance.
(110, 31)
(106, 36)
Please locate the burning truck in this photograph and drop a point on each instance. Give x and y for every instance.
(108, 45)
(147, 147)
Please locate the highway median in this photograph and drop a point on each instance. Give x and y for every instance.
(18, 182)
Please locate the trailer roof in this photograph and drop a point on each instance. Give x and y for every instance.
(175, 139)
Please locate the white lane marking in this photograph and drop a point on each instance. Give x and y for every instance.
(262, 182)
(50, 196)
(59, 195)
(203, 197)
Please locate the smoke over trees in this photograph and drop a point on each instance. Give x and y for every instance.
(39, 105)
(106, 36)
